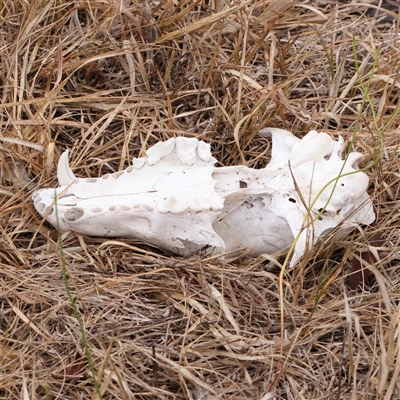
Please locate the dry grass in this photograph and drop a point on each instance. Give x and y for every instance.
(107, 79)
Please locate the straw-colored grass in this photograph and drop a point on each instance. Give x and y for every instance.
(108, 79)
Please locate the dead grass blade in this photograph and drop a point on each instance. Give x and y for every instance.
(109, 80)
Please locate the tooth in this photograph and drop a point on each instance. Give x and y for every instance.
(185, 148)
(203, 149)
(139, 163)
(159, 150)
(65, 175)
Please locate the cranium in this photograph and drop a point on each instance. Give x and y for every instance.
(176, 199)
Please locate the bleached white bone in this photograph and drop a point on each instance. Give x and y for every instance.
(176, 199)
(65, 175)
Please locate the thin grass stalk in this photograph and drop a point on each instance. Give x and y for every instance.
(74, 306)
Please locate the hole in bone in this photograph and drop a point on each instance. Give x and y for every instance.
(96, 209)
(342, 184)
(73, 214)
(125, 208)
(292, 200)
(40, 207)
(112, 208)
(333, 123)
(321, 210)
(327, 157)
(91, 180)
(242, 184)
(106, 176)
(248, 205)
(130, 169)
(116, 175)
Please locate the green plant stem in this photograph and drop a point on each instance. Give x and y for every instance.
(74, 307)
(309, 219)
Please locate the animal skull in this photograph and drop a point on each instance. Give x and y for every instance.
(176, 199)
